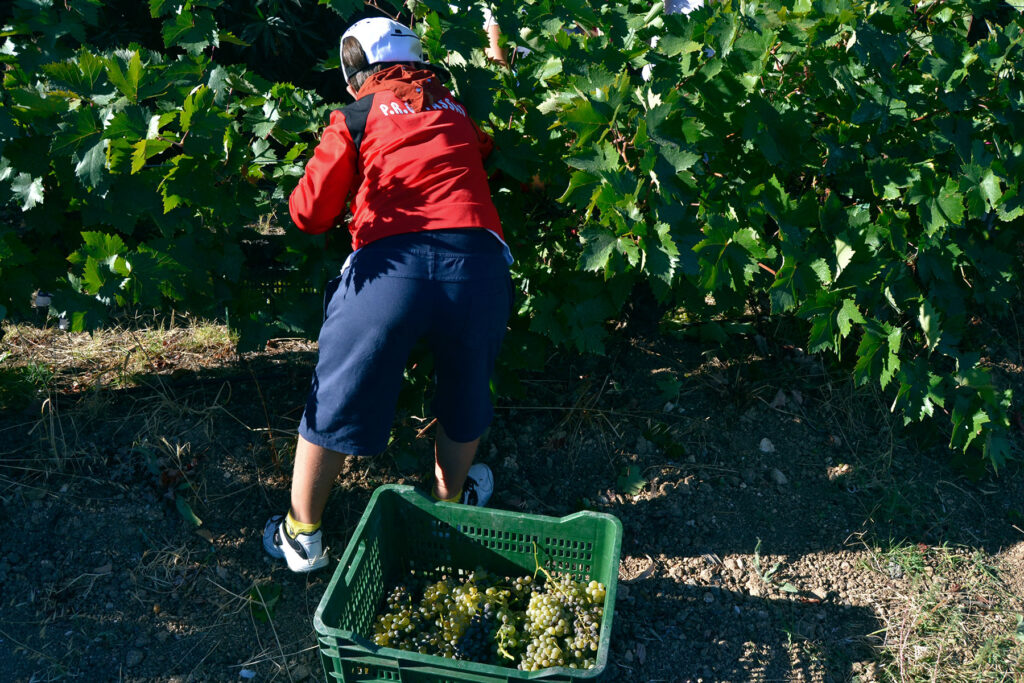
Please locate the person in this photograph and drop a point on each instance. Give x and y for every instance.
(672, 7)
(429, 262)
(682, 6)
(494, 51)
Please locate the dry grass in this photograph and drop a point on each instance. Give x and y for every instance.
(60, 381)
(117, 357)
(951, 618)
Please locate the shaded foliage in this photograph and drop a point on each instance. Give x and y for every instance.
(853, 167)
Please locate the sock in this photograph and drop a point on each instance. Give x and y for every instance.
(295, 527)
(453, 499)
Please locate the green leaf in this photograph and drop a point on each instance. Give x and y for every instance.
(203, 121)
(889, 176)
(579, 180)
(844, 254)
(937, 207)
(83, 312)
(950, 202)
(191, 30)
(80, 129)
(158, 8)
(1011, 206)
(929, 320)
(725, 258)
(132, 124)
(968, 420)
(581, 116)
(831, 321)
(783, 293)
(185, 510)
(848, 315)
(82, 74)
(680, 159)
(143, 150)
(551, 67)
(877, 354)
(92, 164)
(263, 153)
(723, 32)
(28, 190)
(100, 246)
(262, 601)
(920, 391)
(152, 275)
(598, 244)
(603, 157)
(630, 481)
(673, 46)
(661, 255)
(126, 80)
(982, 190)
(892, 361)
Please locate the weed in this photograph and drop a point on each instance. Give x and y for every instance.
(21, 385)
(954, 620)
(768, 577)
(262, 601)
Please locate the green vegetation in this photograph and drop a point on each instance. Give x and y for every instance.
(955, 620)
(850, 168)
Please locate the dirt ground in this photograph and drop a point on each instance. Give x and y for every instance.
(765, 504)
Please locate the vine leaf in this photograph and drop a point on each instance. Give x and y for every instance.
(90, 168)
(126, 81)
(598, 245)
(28, 190)
(930, 322)
(661, 253)
(603, 157)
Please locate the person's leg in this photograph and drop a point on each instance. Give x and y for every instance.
(370, 322)
(452, 460)
(465, 339)
(296, 536)
(313, 475)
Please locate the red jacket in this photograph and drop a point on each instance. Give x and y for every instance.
(410, 156)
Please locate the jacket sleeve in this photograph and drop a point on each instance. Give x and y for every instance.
(319, 199)
(484, 140)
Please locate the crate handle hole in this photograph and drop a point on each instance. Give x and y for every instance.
(353, 565)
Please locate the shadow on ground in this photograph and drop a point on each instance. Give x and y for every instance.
(740, 562)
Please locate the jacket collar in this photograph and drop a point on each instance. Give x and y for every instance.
(418, 88)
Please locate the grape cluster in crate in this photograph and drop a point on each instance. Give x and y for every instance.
(519, 622)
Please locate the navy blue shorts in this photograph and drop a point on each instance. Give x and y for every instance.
(450, 288)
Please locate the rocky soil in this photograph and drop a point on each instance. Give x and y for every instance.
(756, 494)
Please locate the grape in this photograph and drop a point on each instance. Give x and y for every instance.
(518, 622)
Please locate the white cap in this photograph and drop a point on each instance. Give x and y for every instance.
(383, 40)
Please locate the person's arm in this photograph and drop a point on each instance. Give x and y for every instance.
(494, 51)
(486, 144)
(320, 197)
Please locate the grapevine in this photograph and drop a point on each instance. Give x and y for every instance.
(850, 171)
(484, 618)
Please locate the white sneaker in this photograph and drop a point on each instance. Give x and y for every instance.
(304, 553)
(479, 486)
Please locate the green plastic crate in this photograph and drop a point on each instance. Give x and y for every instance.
(403, 530)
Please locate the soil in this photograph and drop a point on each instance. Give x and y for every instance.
(753, 489)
